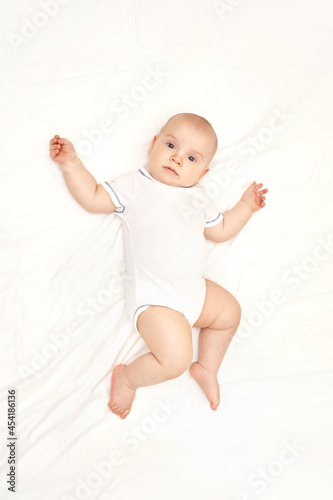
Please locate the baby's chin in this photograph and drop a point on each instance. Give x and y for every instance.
(165, 177)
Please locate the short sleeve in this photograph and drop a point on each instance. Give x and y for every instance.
(213, 214)
(122, 192)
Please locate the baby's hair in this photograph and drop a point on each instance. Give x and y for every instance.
(197, 121)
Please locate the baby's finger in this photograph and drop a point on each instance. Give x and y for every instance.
(54, 147)
(54, 140)
(252, 187)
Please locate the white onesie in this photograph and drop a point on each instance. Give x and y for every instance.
(164, 242)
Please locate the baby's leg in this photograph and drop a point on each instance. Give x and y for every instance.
(219, 320)
(168, 335)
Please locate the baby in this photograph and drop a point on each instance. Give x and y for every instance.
(166, 217)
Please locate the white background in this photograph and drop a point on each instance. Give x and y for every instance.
(65, 69)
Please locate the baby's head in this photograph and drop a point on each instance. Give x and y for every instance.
(180, 155)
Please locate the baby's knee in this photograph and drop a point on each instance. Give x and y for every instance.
(178, 364)
(234, 317)
(237, 313)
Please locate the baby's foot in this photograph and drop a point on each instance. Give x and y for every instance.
(122, 394)
(208, 383)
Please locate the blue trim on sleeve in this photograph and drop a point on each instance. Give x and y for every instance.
(143, 305)
(213, 220)
(123, 206)
(216, 218)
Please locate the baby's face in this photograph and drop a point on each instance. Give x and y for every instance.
(180, 155)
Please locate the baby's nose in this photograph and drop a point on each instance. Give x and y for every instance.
(177, 159)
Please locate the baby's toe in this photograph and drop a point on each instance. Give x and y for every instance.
(124, 414)
(118, 410)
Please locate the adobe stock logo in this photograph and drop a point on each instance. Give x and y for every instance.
(101, 475)
(31, 28)
(89, 308)
(120, 109)
(223, 7)
(294, 277)
(264, 476)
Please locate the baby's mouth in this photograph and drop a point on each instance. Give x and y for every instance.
(171, 170)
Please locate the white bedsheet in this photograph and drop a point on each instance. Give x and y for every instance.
(106, 75)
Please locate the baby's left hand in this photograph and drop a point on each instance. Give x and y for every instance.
(254, 196)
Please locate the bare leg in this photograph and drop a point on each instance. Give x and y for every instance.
(168, 335)
(221, 315)
(213, 345)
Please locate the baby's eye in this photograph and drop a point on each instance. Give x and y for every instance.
(191, 158)
(170, 145)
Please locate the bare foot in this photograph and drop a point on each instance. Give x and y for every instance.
(208, 383)
(122, 394)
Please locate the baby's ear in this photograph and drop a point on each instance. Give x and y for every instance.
(202, 174)
(152, 144)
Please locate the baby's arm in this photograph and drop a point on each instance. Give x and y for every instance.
(236, 218)
(81, 184)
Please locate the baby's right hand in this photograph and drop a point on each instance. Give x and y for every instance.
(61, 150)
